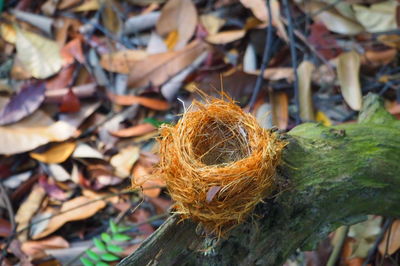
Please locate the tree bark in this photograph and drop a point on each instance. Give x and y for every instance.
(329, 176)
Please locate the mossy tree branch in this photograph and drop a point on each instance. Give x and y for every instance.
(331, 176)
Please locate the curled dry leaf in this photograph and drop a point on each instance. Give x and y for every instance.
(32, 132)
(124, 160)
(394, 240)
(280, 109)
(226, 36)
(36, 248)
(158, 68)
(379, 57)
(56, 154)
(122, 61)
(332, 19)
(79, 208)
(134, 131)
(348, 70)
(155, 104)
(28, 209)
(179, 16)
(39, 55)
(24, 103)
(304, 72)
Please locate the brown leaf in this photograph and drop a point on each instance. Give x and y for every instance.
(151, 185)
(5, 228)
(36, 248)
(56, 154)
(394, 240)
(62, 79)
(73, 51)
(280, 109)
(348, 70)
(70, 103)
(158, 68)
(379, 57)
(110, 17)
(134, 131)
(122, 61)
(155, 104)
(28, 209)
(178, 16)
(304, 72)
(79, 208)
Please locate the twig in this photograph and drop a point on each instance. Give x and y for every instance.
(265, 59)
(342, 234)
(293, 54)
(378, 240)
(387, 241)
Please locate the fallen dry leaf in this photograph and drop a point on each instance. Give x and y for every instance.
(211, 23)
(332, 19)
(134, 131)
(394, 240)
(39, 55)
(151, 185)
(124, 160)
(258, 7)
(110, 17)
(155, 104)
(158, 68)
(32, 132)
(226, 36)
(280, 110)
(8, 33)
(348, 70)
(122, 61)
(79, 208)
(379, 17)
(304, 72)
(179, 16)
(36, 249)
(56, 154)
(379, 57)
(27, 210)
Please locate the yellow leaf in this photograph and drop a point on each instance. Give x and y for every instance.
(322, 118)
(8, 33)
(90, 5)
(110, 18)
(304, 72)
(172, 39)
(348, 70)
(79, 208)
(56, 154)
(226, 36)
(39, 55)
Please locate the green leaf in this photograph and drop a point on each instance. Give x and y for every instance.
(123, 229)
(114, 248)
(106, 237)
(93, 255)
(154, 122)
(109, 257)
(86, 262)
(102, 264)
(121, 237)
(99, 244)
(113, 227)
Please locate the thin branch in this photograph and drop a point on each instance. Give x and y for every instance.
(265, 59)
(293, 54)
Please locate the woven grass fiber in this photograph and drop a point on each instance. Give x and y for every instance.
(218, 163)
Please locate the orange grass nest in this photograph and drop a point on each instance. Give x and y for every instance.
(218, 163)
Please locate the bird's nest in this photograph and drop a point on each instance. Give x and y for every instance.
(218, 163)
